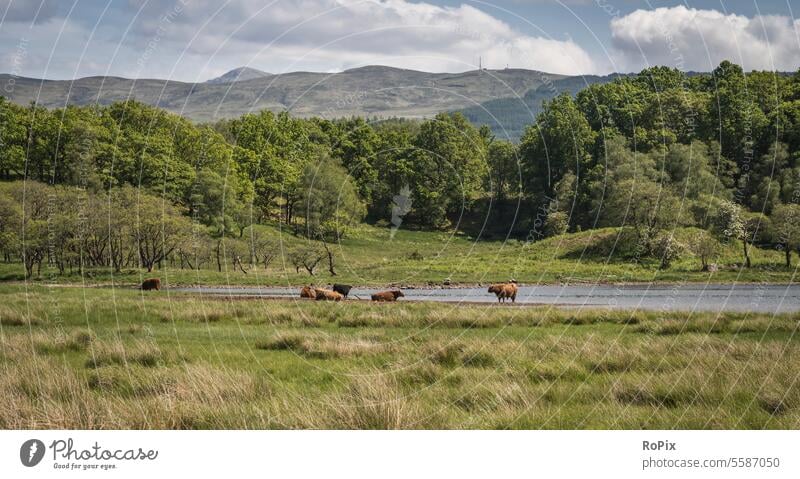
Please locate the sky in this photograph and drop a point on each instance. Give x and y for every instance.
(195, 40)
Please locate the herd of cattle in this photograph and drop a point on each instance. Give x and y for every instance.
(340, 292)
(503, 291)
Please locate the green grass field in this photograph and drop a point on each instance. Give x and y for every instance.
(372, 256)
(104, 358)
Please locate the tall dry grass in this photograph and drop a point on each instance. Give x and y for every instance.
(220, 364)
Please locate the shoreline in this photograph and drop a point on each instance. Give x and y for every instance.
(413, 286)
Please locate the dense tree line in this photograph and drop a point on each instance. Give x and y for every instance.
(74, 230)
(663, 149)
(652, 151)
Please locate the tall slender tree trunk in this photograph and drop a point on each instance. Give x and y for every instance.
(330, 258)
(746, 254)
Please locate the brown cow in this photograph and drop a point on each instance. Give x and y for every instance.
(308, 292)
(504, 291)
(150, 284)
(388, 295)
(328, 295)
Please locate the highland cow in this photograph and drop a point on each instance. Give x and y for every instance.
(308, 292)
(387, 295)
(504, 291)
(328, 295)
(151, 284)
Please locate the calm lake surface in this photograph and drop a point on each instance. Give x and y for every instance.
(765, 298)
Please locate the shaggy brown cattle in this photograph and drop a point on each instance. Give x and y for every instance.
(308, 292)
(328, 295)
(504, 291)
(387, 295)
(150, 284)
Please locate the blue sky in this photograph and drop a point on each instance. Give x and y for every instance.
(194, 40)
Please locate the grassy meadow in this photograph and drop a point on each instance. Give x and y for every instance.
(374, 256)
(119, 358)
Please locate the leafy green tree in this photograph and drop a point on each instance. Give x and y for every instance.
(449, 168)
(604, 182)
(647, 208)
(735, 116)
(331, 204)
(158, 228)
(617, 105)
(734, 223)
(786, 229)
(355, 148)
(704, 246)
(558, 142)
(10, 222)
(272, 152)
(394, 164)
(13, 141)
(83, 138)
(504, 170)
(35, 206)
(215, 203)
(692, 171)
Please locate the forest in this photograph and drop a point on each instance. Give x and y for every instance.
(126, 184)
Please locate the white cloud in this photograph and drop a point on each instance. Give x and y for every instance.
(338, 34)
(693, 39)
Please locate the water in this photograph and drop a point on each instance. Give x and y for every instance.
(764, 298)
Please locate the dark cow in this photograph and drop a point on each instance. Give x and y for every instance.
(151, 284)
(343, 289)
(388, 295)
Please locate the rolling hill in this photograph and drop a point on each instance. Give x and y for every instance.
(503, 99)
(239, 74)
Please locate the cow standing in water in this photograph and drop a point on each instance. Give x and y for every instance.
(504, 291)
(343, 289)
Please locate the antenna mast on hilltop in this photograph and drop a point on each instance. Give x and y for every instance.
(480, 63)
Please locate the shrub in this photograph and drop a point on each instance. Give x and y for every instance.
(668, 250)
(556, 224)
(284, 342)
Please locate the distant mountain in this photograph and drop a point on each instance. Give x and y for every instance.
(371, 91)
(239, 74)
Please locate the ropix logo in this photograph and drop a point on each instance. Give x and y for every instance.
(31, 452)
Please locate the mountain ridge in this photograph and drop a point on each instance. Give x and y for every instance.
(369, 91)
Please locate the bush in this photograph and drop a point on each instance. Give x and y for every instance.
(556, 224)
(668, 250)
